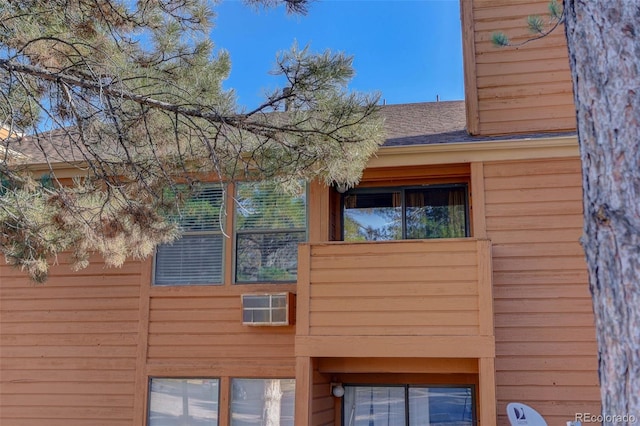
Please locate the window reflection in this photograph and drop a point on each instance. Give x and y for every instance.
(177, 402)
(379, 214)
(262, 402)
(388, 405)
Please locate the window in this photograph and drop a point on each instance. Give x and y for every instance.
(269, 225)
(408, 406)
(196, 258)
(262, 401)
(176, 402)
(383, 214)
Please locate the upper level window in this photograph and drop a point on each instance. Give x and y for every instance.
(196, 258)
(383, 214)
(269, 224)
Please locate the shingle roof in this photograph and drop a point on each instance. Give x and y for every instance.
(424, 123)
(405, 124)
(52, 146)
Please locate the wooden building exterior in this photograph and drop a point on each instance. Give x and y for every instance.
(500, 314)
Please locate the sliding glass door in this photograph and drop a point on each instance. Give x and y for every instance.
(408, 406)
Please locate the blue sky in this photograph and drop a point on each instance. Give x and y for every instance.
(407, 50)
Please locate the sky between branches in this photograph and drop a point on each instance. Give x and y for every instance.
(408, 50)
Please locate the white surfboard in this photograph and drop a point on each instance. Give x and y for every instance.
(523, 415)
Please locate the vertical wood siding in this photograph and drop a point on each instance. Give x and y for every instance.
(545, 338)
(519, 89)
(68, 347)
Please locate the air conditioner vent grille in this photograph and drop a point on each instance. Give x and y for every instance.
(267, 309)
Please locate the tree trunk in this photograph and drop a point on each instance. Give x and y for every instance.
(272, 399)
(603, 37)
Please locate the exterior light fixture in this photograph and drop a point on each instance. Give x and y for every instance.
(337, 390)
(342, 187)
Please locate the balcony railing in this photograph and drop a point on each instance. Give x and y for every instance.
(399, 298)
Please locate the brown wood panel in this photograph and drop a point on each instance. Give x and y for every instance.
(516, 89)
(448, 245)
(68, 347)
(398, 288)
(538, 249)
(396, 304)
(545, 340)
(513, 83)
(552, 208)
(538, 334)
(515, 112)
(393, 330)
(397, 259)
(533, 195)
(435, 320)
(533, 89)
(557, 284)
(236, 366)
(190, 328)
(525, 263)
(532, 182)
(324, 407)
(434, 346)
(552, 124)
(407, 175)
(537, 236)
(555, 167)
(391, 288)
(391, 365)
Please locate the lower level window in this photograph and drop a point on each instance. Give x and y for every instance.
(262, 402)
(407, 406)
(176, 402)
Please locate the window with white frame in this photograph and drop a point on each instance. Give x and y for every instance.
(197, 257)
(262, 402)
(177, 402)
(269, 225)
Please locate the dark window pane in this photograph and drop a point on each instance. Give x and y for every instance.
(193, 259)
(436, 213)
(428, 406)
(374, 406)
(266, 257)
(440, 406)
(256, 316)
(373, 216)
(176, 402)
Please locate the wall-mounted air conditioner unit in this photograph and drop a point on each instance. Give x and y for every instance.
(268, 309)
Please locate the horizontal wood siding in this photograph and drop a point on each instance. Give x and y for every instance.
(68, 347)
(394, 288)
(199, 331)
(545, 337)
(520, 89)
(323, 404)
